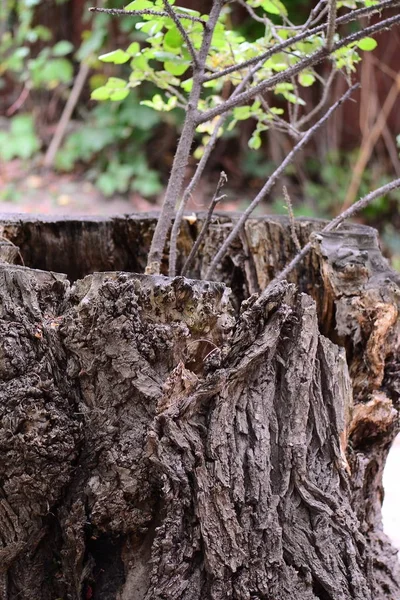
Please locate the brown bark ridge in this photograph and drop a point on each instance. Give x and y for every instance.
(186, 439)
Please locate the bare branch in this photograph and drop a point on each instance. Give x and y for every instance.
(197, 175)
(331, 25)
(351, 16)
(273, 179)
(284, 76)
(334, 224)
(216, 198)
(182, 31)
(120, 12)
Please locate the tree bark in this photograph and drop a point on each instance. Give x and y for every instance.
(186, 439)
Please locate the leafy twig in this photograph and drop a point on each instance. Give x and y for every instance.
(351, 16)
(273, 179)
(181, 158)
(284, 76)
(216, 198)
(198, 173)
(182, 31)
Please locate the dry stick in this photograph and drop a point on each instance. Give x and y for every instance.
(197, 175)
(273, 179)
(121, 12)
(216, 198)
(369, 143)
(351, 16)
(331, 25)
(285, 76)
(19, 101)
(182, 31)
(181, 158)
(350, 212)
(66, 115)
(292, 221)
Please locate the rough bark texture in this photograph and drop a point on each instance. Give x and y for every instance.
(183, 439)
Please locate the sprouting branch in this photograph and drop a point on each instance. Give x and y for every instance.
(351, 16)
(198, 173)
(120, 12)
(285, 76)
(182, 31)
(175, 183)
(334, 224)
(273, 179)
(331, 25)
(216, 198)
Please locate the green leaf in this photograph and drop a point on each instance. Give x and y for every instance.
(241, 113)
(367, 44)
(106, 184)
(62, 48)
(102, 93)
(274, 7)
(58, 70)
(306, 79)
(255, 141)
(117, 95)
(118, 57)
(140, 5)
(116, 82)
(173, 39)
(176, 68)
(133, 49)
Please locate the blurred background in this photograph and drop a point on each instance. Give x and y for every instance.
(114, 157)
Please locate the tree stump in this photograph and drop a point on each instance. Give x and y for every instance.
(182, 439)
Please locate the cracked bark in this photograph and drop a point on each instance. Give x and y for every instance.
(183, 439)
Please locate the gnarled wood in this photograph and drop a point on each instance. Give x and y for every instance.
(172, 439)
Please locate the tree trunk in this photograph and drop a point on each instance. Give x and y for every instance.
(180, 439)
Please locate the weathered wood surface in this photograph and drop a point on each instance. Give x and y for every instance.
(169, 439)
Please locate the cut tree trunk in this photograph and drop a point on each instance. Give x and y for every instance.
(180, 439)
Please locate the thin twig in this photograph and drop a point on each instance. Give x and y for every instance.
(292, 221)
(334, 224)
(283, 125)
(216, 198)
(326, 89)
(273, 179)
(120, 12)
(351, 16)
(285, 76)
(182, 31)
(331, 25)
(198, 173)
